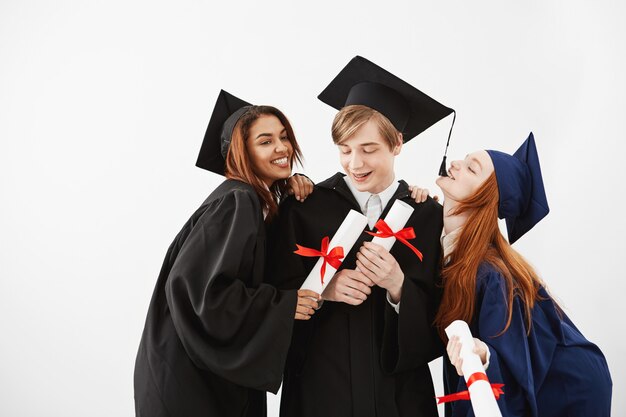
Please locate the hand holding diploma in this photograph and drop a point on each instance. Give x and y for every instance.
(377, 264)
(454, 352)
(308, 302)
(374, 259)
(348, 286)
(461, 350)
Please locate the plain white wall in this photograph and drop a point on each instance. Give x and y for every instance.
(103, 106)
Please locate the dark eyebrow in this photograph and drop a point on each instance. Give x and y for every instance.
(260, 135)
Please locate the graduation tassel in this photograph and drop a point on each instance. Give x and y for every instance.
(442, 169)
(443, 172)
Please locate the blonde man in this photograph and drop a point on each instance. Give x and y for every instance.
(366, 351)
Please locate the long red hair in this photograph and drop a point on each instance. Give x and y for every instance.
(480, 241)
(239, 166)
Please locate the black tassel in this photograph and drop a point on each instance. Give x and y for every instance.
(443, 172)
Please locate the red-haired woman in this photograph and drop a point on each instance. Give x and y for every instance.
(547, 366)
(216, 336)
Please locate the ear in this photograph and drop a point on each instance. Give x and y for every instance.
(398, 147)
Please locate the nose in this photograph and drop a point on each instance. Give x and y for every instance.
(282, 147)
(455, 164)
(355, 161)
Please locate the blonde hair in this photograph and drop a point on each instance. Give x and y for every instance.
(351, 118)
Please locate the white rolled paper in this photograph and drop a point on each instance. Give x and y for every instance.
(346, 236)
(481, 394)
(396, 219)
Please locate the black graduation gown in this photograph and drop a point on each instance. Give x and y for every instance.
(361, 360)
(551, 371)
(215, 337)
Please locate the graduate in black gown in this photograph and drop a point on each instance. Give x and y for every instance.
(527, 343)
(216, 336)
(365, 352)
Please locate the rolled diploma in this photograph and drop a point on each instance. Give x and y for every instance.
(481, 395)
(396, 219)
(346, 236)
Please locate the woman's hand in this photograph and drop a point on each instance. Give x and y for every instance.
(308, 302)
(454, 352)
(300, 186)
(420, 194)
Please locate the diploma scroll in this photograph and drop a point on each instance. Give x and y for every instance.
(480, 390)
(345, 237)
(396, 219)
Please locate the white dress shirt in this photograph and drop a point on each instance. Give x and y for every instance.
(362, 196)
(385, 195)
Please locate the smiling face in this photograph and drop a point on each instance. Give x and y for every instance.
(466, 176)
(269, 149)
(367, 158)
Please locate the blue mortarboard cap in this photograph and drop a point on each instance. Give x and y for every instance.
(523, 200)
(227, 111)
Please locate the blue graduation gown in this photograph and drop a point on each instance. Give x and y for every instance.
(552, 371)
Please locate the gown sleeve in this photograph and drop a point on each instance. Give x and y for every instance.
(283, 269)
(410, 339)
(518, 360)
(236, 331)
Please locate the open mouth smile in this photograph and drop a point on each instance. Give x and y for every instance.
(281, 162)
(361, 177)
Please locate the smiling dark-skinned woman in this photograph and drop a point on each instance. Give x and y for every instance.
(216, 337)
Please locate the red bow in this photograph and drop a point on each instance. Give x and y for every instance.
(465, 395)
(402, 235)
(333, 257)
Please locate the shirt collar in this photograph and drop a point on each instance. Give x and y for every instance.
(362, 196)
(448, 242)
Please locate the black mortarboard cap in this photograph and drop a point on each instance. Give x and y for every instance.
(227, 111)
(523, 201)
(406, 107)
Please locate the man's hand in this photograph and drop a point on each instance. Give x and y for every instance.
(377, 264)
(348, 286)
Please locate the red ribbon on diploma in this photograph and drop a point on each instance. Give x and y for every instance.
(333, 257)
(465, 395)
(402, 235)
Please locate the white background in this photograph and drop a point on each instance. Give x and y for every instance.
(103, 106)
